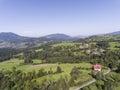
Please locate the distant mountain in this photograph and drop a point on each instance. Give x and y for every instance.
(114, 33)
(61, 37)
(80, 36)
(58, 36)
(12, 40)
(11, 37)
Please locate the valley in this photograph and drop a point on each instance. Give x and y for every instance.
(62, 65)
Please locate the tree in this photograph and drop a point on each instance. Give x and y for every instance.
(118, 68)
(27, 57)
(75, 73)
(59, 69)
(50, 71)
(103, 44)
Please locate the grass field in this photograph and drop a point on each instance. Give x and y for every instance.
(113, 44)
(7, 65)
(117, 88)
(65, 44)
(66, 68)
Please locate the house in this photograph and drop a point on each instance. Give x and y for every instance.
(97, 67)
(81, 47)
(88, 51)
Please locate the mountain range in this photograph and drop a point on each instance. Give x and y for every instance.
(12, 40)
(114, 33)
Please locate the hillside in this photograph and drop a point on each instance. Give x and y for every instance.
(11, 37)
(104, 38)
(61, 37)
(66, 63)
(58, 36)
(114, 33)
(11, 40)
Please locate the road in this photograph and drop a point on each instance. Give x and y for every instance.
(90, 82)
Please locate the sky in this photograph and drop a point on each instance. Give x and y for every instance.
(72, 17)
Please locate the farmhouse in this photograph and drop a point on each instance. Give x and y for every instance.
(97, 67)
(81, 47)
(88, 51)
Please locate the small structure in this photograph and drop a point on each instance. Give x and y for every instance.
(97, 67)
(88, 51)
(81, 47)
(95, 53)
(102, 50)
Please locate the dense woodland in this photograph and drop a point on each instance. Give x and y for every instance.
(7, 53)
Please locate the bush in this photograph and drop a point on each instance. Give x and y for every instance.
(59, 70)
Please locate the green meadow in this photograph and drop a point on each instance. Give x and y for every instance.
(85, 69)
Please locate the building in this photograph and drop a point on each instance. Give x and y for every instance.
(88, 51)
(97, 67)
(95, 53)
(81, 47)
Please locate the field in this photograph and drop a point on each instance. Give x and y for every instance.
(36, 66)
(64, 44)
(117, 88)
(113, 44)
(8, 65)
(85, 68)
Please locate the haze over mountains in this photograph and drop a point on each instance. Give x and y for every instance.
(115, 33)
(12, 40)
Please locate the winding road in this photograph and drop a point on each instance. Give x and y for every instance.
(90, 82)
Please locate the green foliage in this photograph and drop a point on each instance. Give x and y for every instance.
(103, 44)
(59, 69)
(75, 73)
(118, 68)
(26, 81)
(28, 57)
(41, 72)
(50, 71)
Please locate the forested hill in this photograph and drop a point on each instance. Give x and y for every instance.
(11, 37)
(100, 38)
(104, 38)
(114, 33)
(11, 40)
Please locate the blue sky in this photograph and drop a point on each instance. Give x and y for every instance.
(72, 17)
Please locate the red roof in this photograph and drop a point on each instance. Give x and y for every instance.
(96, 66)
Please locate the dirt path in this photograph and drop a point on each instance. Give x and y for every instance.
(40, 65)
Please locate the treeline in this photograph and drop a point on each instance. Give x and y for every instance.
(7, 53)
(68, 54)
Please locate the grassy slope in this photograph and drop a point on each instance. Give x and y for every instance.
(65, 44)
(7, 65)
(113, 44)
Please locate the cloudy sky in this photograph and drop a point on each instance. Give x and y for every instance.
(72, 17)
